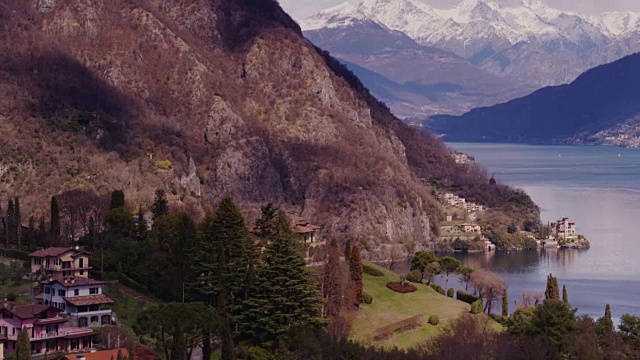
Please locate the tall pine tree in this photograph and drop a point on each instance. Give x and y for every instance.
(160, 204)
(17, 221)
(9, 222)
(285, 295)
(223, 267)
(505, 304)
(565, 296)
(552, 292)
(355, 271)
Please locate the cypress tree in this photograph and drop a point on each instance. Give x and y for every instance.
(552, 292)
(347, 250)
(505, 304)
(285, 295)
(331, 282)
(55, 220)
(565, 297)
(117, 199)
(42, 232)
(355, 272)
(17, 221)
(120, 356)
(160, 204)
(179, 348)
(9, 220)
(23, 346)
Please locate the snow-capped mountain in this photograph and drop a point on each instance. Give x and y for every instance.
(505, 40)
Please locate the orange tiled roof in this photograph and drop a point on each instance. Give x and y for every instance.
(71, 281)
(52, 251)
(302, 226)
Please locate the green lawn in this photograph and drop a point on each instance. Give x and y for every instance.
(389, 307)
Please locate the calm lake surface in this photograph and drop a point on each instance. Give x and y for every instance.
(597, 187)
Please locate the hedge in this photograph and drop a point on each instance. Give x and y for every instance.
(404, 325)
(434, 320)
(476, 307)
(450, 292)
(466, 297)
(414, 276)
(15, 254)
(438, 289)
(370, 270)
(401, 288)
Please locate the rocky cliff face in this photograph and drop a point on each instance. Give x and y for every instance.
(204, 99)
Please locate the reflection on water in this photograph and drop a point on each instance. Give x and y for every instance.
(599, 188)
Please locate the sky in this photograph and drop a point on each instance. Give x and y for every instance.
(301, 9)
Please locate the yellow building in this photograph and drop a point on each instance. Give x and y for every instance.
(59, 262)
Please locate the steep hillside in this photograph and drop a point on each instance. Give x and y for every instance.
(206, 98)
(603, 102)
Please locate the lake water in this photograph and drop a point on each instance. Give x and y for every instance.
(597, 187)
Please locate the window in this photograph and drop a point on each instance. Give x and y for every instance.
(94, 319)
(63, 306)
(47, 290)
(93, 291)
(62, 292)
(76, 292)
(81, 272)
(46, 302)
(37, 261)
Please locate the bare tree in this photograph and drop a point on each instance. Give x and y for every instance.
(489, 286)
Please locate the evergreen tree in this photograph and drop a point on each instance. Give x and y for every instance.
(160, 204)
(23, 346)
(142, 228)
(17, 221)
(117, 199)
(32, 235)
(265, 224)
(565, 297)
(55, 221)
(552, 292)
(285, 295)
(355, 272)
(9, 222)
(120, 356)
(42, 233)
(347, 250)
(224, 265)
(505, 304)
(604, 325)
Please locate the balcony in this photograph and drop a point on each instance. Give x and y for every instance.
(62, 268)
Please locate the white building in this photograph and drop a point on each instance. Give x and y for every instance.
(80, 300)
(563, 228)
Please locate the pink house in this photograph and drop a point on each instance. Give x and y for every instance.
(47, 330)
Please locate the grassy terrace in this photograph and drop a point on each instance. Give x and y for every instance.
(389, 307)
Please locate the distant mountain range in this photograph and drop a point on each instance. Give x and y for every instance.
(602, 106)
(524, 47)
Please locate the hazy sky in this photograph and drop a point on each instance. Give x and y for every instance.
(303, 8)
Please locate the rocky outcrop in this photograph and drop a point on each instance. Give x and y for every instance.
(207, 99)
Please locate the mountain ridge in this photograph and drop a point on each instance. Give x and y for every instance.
(601, 106)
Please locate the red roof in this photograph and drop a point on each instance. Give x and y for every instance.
(52, 251)
(71, 281)
(99, 355)
(50, 321)
(302, 226)
(89, 300)
(25, 310)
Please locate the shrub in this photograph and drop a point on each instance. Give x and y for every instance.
(466, 297)
(434, 320)
(404, 325)
(476, 307)
(500, 319)
(450, 292)
(414, 276)
(438, 289)
(373, 271)
(401, 288)
(258, 353)
(11, 296)
(367, 299)
(164, 164)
